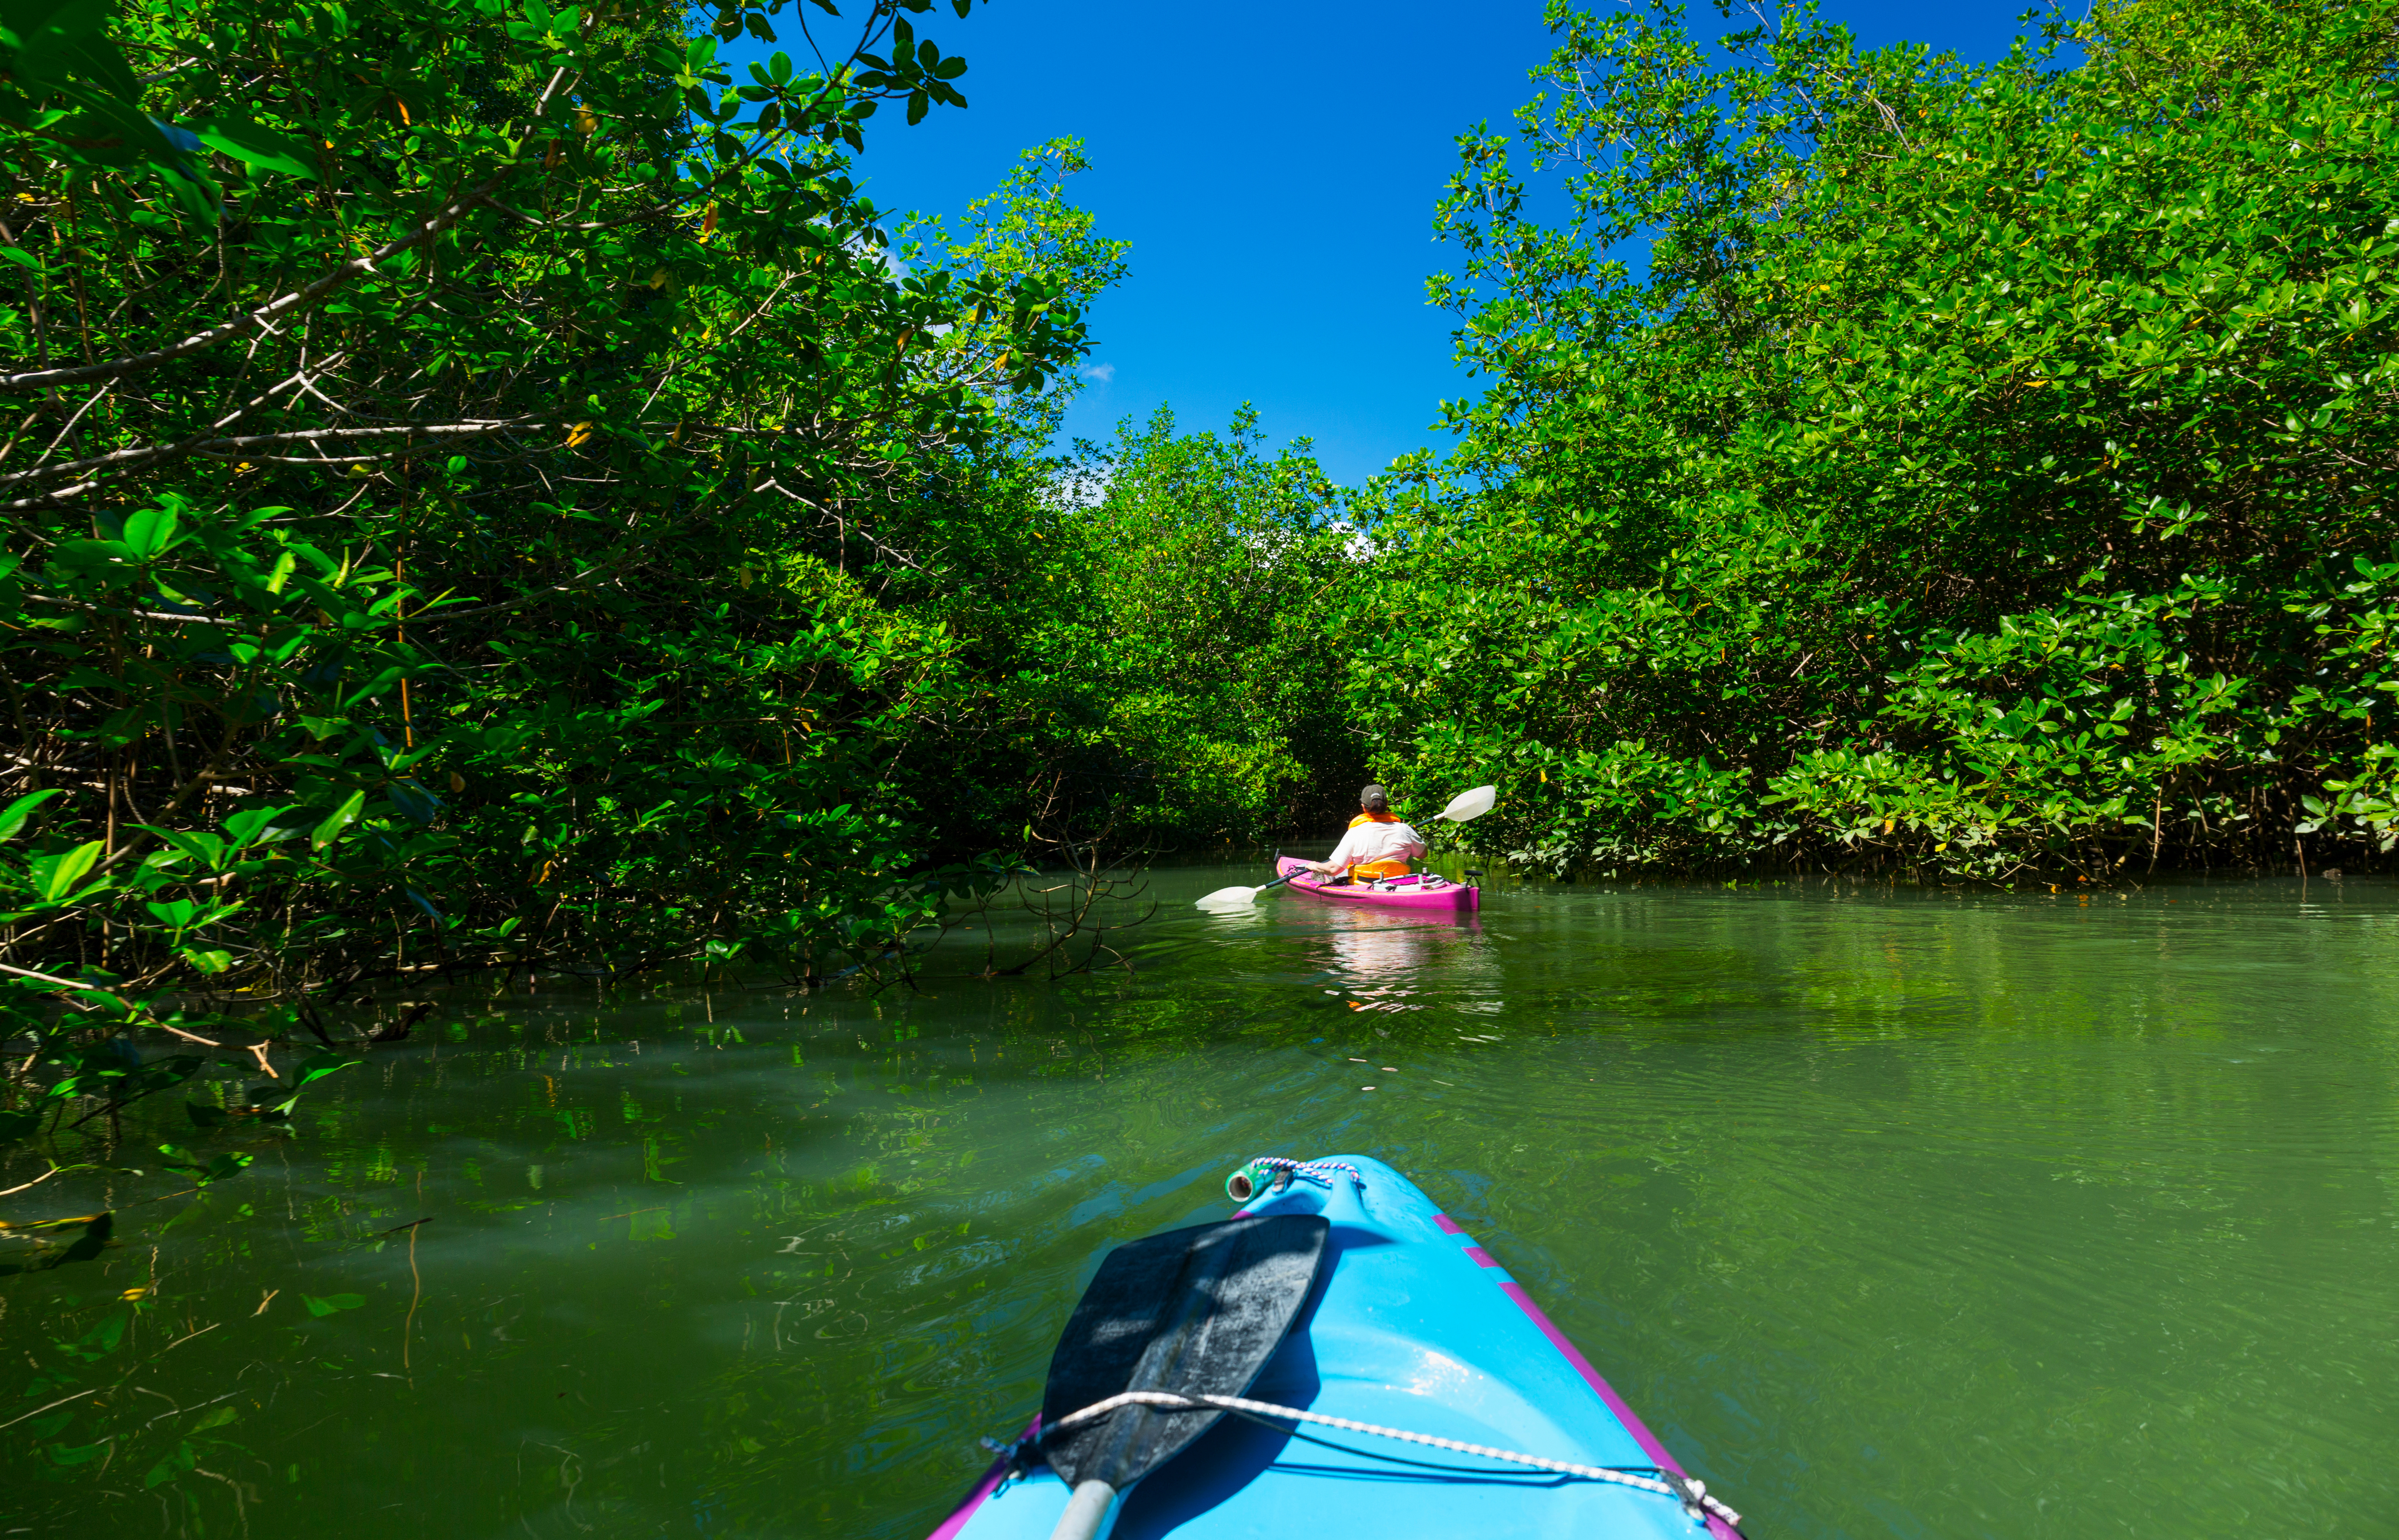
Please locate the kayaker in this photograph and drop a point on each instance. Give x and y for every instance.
(1376, 845)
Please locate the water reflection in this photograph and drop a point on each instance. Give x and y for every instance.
(1399, 962)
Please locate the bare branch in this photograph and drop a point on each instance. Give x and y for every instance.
(137, 614)
(428, 617)
(240, 446)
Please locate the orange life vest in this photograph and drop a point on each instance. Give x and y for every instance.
(1368, 870)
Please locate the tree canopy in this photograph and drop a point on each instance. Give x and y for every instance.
(1989, 472)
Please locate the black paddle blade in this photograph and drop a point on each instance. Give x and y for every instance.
(1195, 1311)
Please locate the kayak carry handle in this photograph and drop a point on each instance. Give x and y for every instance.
(1276, 1172)
(1255, 1178)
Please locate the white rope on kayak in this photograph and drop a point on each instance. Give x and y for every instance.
(1691, 1491)
(1312, 1169)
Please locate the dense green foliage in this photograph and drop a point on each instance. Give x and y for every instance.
(502, 586)
(1198, 636)
(1992, 470)
(488, 492)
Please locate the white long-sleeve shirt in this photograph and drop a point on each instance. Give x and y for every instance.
(1375, 841)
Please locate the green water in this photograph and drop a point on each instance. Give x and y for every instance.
(1895, 1213)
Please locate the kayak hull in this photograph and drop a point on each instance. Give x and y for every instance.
(1412, 1326)
(1439, 896)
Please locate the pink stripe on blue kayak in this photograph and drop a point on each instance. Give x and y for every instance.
(984, 1489)
(1633, 1425)
(1717, 1528)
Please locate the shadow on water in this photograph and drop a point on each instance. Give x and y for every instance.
(1893, 1212)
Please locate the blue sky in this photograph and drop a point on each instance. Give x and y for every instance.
(1275, 168)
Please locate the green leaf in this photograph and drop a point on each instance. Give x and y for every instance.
(331, 1304)
(14, 818)
(228, 1164)
(337, 821)
(175, 1463)
(55, 876)
(98, 1342)
(95, 554)
(149, 531)
(252, 823)
(317, 1066)
(255, 146)
(206, 849)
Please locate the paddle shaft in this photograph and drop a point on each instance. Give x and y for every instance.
(1289, 875)
(1090, 1513)
(1223, 896)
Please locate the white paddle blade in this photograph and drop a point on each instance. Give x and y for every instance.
(1230, 898)
(1470, 805)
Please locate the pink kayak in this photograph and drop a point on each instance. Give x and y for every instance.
(1419, 892)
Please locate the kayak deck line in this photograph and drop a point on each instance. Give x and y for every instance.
(1690, 1491)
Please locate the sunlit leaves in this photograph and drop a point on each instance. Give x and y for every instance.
(329, 830)
(14, 816)
(53, 877)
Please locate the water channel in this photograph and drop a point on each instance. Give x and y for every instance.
(1895, 1212)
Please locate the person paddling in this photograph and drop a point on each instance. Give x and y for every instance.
(1376, 845)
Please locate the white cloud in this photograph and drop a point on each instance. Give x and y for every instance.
(1102, 372)
(1086, 490)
